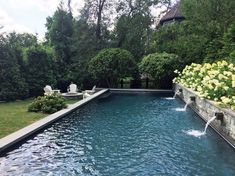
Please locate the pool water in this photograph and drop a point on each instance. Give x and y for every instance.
(124, 134)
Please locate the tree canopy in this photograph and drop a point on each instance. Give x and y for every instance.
(160, 67)
(110, 65)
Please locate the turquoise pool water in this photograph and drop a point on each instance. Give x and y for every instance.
(124, 134)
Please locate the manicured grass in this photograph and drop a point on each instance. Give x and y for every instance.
(14, 116)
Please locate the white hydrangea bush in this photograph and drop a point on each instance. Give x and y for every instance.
(212, 81)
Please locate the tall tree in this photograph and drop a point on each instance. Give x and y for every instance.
(60, 31)
(213, 19)
(59, 35)
(200, 38)
(40, 69)
(98, 12)
(19, 44)
(132, 33)
(24, 40)
(133, 26)
(83, 49)
(210, 11)
(132, 7)
(69, 6)
(228, 49)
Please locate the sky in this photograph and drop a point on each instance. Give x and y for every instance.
(30, 15)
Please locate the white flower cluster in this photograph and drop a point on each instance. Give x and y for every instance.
(213, 81)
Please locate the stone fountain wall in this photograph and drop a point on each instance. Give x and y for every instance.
(206, 109)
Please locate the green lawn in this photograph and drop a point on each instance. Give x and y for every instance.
(14, 116)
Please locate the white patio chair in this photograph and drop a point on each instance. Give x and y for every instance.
(72, 89)
(48, 90)
(88, 93)
(91, 91)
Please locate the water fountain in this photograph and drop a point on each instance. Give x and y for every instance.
(178, 92)
(197, 133)
(191, 100)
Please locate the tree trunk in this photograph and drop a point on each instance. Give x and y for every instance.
(99, 17)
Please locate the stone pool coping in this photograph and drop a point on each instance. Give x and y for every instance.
(114, 90)
(219, 128)
(13, 138)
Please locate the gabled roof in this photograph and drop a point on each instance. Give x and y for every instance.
(173, 13)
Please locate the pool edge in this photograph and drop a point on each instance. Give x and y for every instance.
(116, 90)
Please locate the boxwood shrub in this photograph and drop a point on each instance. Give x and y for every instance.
(47, 104)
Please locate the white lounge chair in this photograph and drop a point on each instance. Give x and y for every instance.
(91, 91)
(88, 93)
(48, 90)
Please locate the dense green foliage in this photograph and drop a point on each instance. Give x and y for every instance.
(39, 70)
(180, 39)
(205, 35)
(132, 33)
(12, 83)
(160, 67)
(47, 104)
(228, 49)
(83, 49)
(110, 65)
(213, 81)
(59, 36)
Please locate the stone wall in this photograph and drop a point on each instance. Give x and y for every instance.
(206, 109)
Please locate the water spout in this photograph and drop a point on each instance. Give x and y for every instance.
(197, 133)
(191, 100)
(172, 98)
(207, 124)
(175, 95)
(178, 92)
(185, 106)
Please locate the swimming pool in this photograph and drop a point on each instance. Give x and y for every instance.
(123, 134)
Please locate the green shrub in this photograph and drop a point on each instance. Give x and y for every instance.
(47, 104)
(110, 65)
(160, 67)
(213, 81)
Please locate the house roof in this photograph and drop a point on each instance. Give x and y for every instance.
(173, 13)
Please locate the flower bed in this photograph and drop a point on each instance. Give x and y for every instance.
(212, 81)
